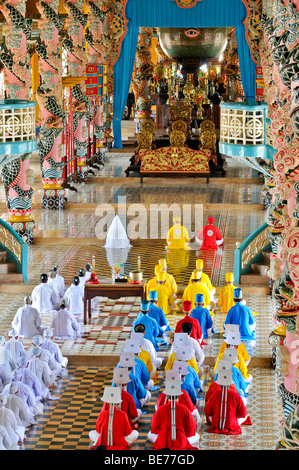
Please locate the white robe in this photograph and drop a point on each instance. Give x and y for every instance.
(54, 349)
(49, 359)
(19, 409)
(57, 287)
(7, 365)
(15, 347)
(27, 322)
(44, 298)
(8, 420)
(5, 440)
(75, 298)
(61, 282)
(65, 325)
(196, 350)
(148, 346)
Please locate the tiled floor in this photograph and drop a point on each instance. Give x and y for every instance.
(69, 238)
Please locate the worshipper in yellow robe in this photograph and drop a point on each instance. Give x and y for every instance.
(233, 341)
(196, 287)
(204, 277)
(165, 295)
(152, 283)
(169, 277)
(173, 357)
(178, 236)
(226, 294)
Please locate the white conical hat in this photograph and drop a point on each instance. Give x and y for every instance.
(117, 236)
(228, 328)
(180, 339)
(112, 395)
(224, 378)
(132, 345)
(127, 359)
(173, 388)
(183, 354)
(121, 375)
(138, 337)
(234, 338)
(181, 367)
(230, 355)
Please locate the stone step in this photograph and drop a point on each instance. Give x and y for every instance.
(6, 268)
(259, 268)
(11, 278)
(254, 280)
(3, 257)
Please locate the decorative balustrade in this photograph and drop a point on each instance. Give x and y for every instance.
(250, 251)
(15, 246)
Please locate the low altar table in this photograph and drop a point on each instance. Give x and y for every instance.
(175, 162)
(112, 290)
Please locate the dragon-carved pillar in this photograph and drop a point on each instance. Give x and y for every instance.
(49, 97)
(17, 175)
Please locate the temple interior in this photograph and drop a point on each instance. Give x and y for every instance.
(145, 113)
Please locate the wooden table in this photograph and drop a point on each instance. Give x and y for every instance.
(112, 290)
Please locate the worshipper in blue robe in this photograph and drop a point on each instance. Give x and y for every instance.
(202, 315)
(241, 315)
(239, 382)
(151, 326)
(157, 313)
(135, 388)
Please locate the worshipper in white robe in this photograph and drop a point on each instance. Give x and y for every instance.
(53, 348)
(16, 404)
(8, 420)
(41, 369)
(60, 279)
(27, 321)
(14, 345)
(45, 356)
(81, 274)
(184, 339)
(87, 272)
(5, 440)
(148, 346)
(43, 296)
(75, 297)
(54, 282)
(30, 378)
(26, 394)
(64, 323)
(7, 362)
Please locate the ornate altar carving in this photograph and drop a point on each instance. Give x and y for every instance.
(180, 111)
(177, 138)
(179, 126)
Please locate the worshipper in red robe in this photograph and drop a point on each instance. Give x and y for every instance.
(173, 426)
(225, 410)
(113, 430)
(196, 332)
(209, 237)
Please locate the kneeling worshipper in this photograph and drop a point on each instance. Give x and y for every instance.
(225, 410)
(196, 287)
(241, 315)
(27, 321)
(151, 326)
(205, 279)
(182, 352)
(5, 440)
(75, 297)
(226, 294)
(157, 313)
(8, 420)
(177, 236)
(28, 377)
(230, 357)
(43, 296)
(169, 277)
(187, 340)
(42, 371)
(121, 379)
(113, 429)
(55, 283)
(188, 386)
(147, 346)
(233, 340)
(135, 387)
(153, 282)
(60, 279)
(140, 369)
(196, 332)
(165, 295)
(202, 315)
(173, 426)
(7, 362)
(14, 345)
(180, 373)
(236, 342)
(209, 237)
(18, 407)
(46, 356)
(34, 407)
(53, 348)
(64, 323)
